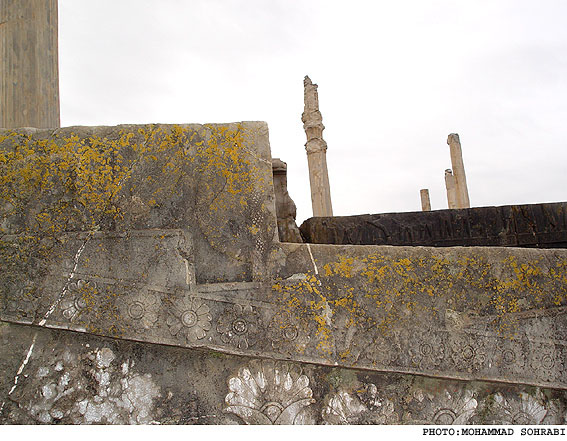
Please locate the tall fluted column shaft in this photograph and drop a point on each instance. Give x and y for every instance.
(29, 73)
(425, 201)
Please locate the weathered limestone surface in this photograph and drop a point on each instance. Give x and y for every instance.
(316, 148)
(425, 202)
(461, 189)
(143, 282)
(29, 72)
(534, 225)
(285, 207)
(84, 379)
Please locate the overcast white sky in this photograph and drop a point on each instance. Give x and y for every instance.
(395, 78)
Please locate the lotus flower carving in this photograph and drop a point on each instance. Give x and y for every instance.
(268, 392)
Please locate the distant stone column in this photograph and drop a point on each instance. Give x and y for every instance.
(425, 202)
(316, 152)
(451, 189)
(29, 73)
(462, 192)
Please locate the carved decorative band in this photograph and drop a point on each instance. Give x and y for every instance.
(226, 317)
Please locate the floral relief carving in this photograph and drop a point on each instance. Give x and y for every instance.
(21, 300)
(446, 407)
(142, 309)
(81, 295)
(544, 361)
(383, 350)
(510, 357)
(342, 408)
(190, 318)
(427, 349)
(95, 387)
(468, 353)
(364, 406)
(282, 330)
(269, 392)
(239, 326)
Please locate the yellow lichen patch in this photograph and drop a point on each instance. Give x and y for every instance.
(386, 291)
(85, 180)
(342, 268)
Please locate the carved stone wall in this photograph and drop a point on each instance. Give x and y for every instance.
(83, 379)
(143, 282)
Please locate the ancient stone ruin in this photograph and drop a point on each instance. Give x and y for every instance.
(316, 148)
(145, 280)
(530, 225)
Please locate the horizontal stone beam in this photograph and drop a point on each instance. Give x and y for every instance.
(534, 225)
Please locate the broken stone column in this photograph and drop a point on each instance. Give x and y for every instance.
(451, 189)
(316, 152)
(29, 74)
(425, 202)
(461, 190)
(285, 207)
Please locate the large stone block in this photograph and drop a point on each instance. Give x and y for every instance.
(534, 225)
(212, 181)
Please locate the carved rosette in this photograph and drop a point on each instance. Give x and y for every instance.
(269, 392)
(239, 326)
(383, 350)
(427, 349)
(20, 301)
(142, 309)
(365, 406)
(509, 357)
(468, 353)
(189, 318)
(545, 361)
(79, 297)
(282, 330)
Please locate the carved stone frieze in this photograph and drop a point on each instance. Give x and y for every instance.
(283, 321)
